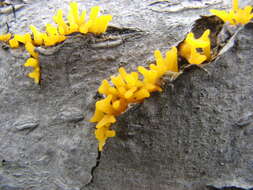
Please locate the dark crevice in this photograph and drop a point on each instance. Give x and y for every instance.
(210, 187)
(93, 169)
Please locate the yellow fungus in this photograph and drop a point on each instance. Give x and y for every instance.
(117, 81)
(94, 12)
(13, 43)
(130, 92)
(103, 23)
(37, 36)
(141, 94)
(62, 26)
(74, 11)
(5, 37)
(127, 88)
(51, 30)
(163, 65)
(81, 19)
(35, 75)
(107, 119)
(150, 76)
(102, 134)
(26, 38)
(116, 105)
(31, 49)
(110, 133)
(236, 15)
(97, 116)
(105, 105)
(171, 60)
(104, 87)
(56, 34)
(31, 62)
(196, 51)
(84, 28)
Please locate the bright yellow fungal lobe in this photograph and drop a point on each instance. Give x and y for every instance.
(126, 88)
(236, 15)
(97, 24)
(102, 134)
(35, 74)
(13, 43)
(31, 62)
(31, 49)
(5, 37)
(26, 38)
(104, 20)
(107, 119)
(196, 51)
(62, 26)
(37, 36)
(51, 30)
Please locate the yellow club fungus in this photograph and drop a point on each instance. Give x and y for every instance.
(102, 134)
(196, 51)
(31, 49)
(62, 26)
(97, 24)
(126, 88)
(31, 62)
(236, 15)
(13, 43)
(56, 34)
(5, 37)
(26, 38)
(35, 74)
(37, 36)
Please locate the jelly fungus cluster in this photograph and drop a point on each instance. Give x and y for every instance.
(126, 88)
(235, 15)
(57, 34)
(196, 51)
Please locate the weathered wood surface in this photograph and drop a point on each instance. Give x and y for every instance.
(196, 135)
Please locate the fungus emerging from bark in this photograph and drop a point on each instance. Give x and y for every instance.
(196, 51)
(54, 35)
(236, 15)
(126, 88)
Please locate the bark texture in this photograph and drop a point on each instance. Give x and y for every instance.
(196, 134)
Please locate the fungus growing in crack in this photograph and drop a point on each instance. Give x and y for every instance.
(127, 88)
(196, 51)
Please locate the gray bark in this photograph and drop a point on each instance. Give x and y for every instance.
(196, 134)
